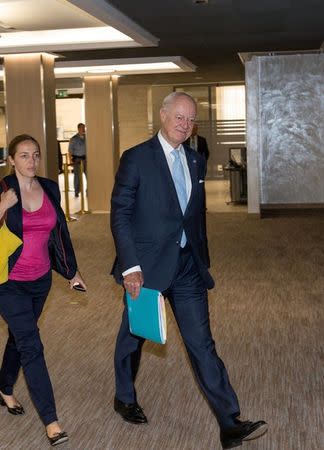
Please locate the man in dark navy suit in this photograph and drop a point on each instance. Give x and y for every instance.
(159, 228)
(197, 142)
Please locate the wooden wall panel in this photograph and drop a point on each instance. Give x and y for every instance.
(30, 104)
(49, 113)
(101, 138)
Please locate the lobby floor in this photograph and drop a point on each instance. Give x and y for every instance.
(219, 199)
(266, 315)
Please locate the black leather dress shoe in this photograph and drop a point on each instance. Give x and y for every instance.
(243, 431)
(131, 412)
(16, 410)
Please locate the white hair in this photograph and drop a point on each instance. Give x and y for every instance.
(171, 98)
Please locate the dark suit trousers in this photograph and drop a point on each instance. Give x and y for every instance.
(21, 304)
(188, 298)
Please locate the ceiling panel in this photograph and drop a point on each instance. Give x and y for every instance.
(31, 15)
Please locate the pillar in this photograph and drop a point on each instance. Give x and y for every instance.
(101, 114)
(30, 104)
(285, 131)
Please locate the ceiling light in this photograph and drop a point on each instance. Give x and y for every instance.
(62, 39)
(123, 69)
(126, 66)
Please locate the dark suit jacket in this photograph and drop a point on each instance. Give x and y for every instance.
(146, 218)
(202, 146)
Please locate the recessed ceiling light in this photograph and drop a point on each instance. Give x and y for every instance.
(117, 68)
(125, 66)
(55, 39)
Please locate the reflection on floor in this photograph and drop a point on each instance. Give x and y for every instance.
(219, 199)
(218, 196)
(74, 203)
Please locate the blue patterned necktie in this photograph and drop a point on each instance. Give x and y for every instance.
(180, 185)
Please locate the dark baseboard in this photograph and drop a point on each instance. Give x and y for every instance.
(291, 210)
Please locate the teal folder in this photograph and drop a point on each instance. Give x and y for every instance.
(146, 315)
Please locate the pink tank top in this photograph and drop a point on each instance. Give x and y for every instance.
(34, 261)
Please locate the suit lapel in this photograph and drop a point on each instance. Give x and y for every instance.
(192, 166)
(163, 168)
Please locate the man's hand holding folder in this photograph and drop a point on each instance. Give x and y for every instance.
(133, 283)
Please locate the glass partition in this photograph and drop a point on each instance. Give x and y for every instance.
(221, 120)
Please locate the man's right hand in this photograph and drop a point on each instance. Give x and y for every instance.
(133, 283)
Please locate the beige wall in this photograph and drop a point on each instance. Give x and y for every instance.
(133, 116)
(158, 95)
(139, 113)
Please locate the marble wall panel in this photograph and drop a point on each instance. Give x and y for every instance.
(292, 128)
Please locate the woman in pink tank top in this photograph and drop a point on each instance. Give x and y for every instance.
(32, 205)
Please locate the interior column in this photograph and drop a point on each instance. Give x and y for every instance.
(102, 130)
(30, 104)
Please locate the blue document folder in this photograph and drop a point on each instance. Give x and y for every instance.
(146, 315)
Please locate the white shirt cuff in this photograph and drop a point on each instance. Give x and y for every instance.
(131, 270)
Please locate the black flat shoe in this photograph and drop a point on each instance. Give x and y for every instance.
(243, 431)
(130, 412)
(58, 438)
(15, 410)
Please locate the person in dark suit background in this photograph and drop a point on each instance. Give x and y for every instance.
(159, 228)
(197, 142)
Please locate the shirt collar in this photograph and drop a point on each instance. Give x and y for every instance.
(167, 148)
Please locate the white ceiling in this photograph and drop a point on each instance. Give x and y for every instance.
(37, 18)
(31, 15)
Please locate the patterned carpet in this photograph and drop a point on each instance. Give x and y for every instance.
(267, 319)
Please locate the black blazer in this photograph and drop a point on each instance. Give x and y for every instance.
(202, 146)
(60, 246)
(146, 217)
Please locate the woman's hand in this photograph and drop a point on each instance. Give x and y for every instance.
(77, 279)
(8, 199)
